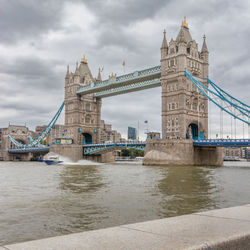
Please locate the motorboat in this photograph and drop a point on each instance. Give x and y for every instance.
(53, 160)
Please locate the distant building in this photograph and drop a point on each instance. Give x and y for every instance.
(232, 153)
(58, 131)
(153, 135)
(245, 153)
(131, 133)
(20, 134)
(107, 134)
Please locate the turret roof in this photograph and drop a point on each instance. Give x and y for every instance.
(185, 30)
(204, 45)
(164, 42)
(84, 70)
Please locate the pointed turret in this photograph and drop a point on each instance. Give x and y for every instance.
(185, 31)
(164, 46)
(204, 45)
(84, 70)
(77, 72)
(164, 42)
(204, 57)
(67, 73)
(99, 77)
(182, 37)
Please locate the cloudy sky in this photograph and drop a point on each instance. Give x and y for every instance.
(39, 38)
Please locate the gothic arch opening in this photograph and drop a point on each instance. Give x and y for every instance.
(193, 128)
(86, 138)
(197, 132)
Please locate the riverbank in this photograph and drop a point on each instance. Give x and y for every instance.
(227, 228)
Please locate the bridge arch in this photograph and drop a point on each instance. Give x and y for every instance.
(194, 131)
(87, 138)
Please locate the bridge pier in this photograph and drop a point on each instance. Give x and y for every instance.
(107, 157)
(180, 152)
(73, 152)
(17, 157)
(208, 156)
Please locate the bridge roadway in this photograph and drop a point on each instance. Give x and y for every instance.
(94, 148)
(115, 85)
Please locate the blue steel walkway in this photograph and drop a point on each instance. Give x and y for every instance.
(98, 148)
(222, 143)
(94, 148)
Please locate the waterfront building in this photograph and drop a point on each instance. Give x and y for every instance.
(58, 131)
(20, 134)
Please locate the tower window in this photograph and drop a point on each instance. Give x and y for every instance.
(171, 63)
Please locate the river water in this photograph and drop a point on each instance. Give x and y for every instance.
(38, 201)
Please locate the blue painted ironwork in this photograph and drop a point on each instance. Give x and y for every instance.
(204, 90)
(28, 150)
(129, 88)
(119, 81)
(44, 133)
(218, 89)
(98, 148)
(222, 142)
(38, 144)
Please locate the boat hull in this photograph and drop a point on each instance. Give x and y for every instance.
(51, 162)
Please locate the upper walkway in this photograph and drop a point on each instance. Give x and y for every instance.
(115, 85)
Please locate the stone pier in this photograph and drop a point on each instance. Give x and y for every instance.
(181, 152)
(106, 157)
(73, 152)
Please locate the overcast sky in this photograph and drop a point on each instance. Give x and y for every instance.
(39, 38)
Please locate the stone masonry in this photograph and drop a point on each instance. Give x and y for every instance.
(184, 109)
(182, 105)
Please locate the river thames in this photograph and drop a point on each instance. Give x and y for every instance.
(38, 201)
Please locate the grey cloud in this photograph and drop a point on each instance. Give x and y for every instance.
(28, 18)
(32, 72)
(124, 12)
(41, 77)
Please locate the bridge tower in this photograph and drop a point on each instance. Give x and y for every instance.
(184, 109)
(82, 113)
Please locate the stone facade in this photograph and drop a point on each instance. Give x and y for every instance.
(184, 109)
(107, 134)
(58, 131)
(181, 152)
(182, 104)
(19, 133)
(83, 112)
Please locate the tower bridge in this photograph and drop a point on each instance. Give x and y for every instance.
(183, 76)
